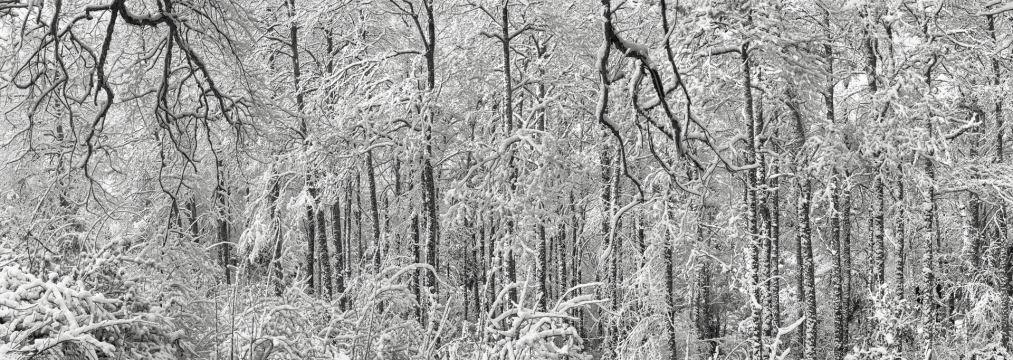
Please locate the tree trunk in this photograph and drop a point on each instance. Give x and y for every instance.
(543, 268)
(706, 324)
(350, 262)
(901, 227)
(428, 173)
(1007, 263)
(360, 249)
(324, 259)
(838, 278)
(928, 299)
(416, 252)
(276, 262)
(879, 243)
(339, 256)
(375, 213)
(774, 273)
(191, 206)
(808, 269)
(755, 241)
(846, 266)
(310, 247)
(670, 295)
(222, 226)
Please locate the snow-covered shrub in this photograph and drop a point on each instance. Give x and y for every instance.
(895, 322)
(991, 352)
(377, 321)
(63, 317)
(522, 332)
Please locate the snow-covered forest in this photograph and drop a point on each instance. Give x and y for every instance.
(506, 179)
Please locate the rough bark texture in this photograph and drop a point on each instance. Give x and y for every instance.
(339, 256)
(808, 269)
(378, 245)
(755, 238)
(324, 259)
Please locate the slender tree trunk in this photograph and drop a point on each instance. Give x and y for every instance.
(350, 260)
(670, 293)
(578, 269)
(326, 286)
(543, 267)
(304, 134)
(222, 226)
(428, 173)
(562, 280)
(803, 234)
(837, 280)
(484, 263)
(846, 266)
(706, 324)
(838, 277)
(616, 254)
(871, 45)
(928, 256)
(755, 241)
(191, 206)
(879, 244)
(901, 238)
(310, 248)
(375, 213)
(808, 269)
(774, 271)
(477, 273)
(360, 249)
(339, 256)
(276, 261)
(928, 264)
(508, 116)
(416, 251)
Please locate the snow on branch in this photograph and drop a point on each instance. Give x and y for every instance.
(999, 10)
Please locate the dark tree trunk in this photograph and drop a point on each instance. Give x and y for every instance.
(375, 213)
(339, 255)
(928, 299)
(417, 289)
(846, 266)
(774, 274)
(360, 249)
(324, 260)
(808, 269)
(838, 277)
(543, 268)
(224, 248)
(901, 238)
(752, 212)
(276, 262)
(310, 247)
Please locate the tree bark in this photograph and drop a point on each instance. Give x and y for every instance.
(339, 256)
(222, 226)
(901, 238)
(276, 262)
(928, 300)
(808, 270)
(379, 254)
(324, 260)
(774, 273)
(755, 241)
(311, 238)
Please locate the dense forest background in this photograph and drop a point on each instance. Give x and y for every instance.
(509, 179)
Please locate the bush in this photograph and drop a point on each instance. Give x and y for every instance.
(56, 317)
